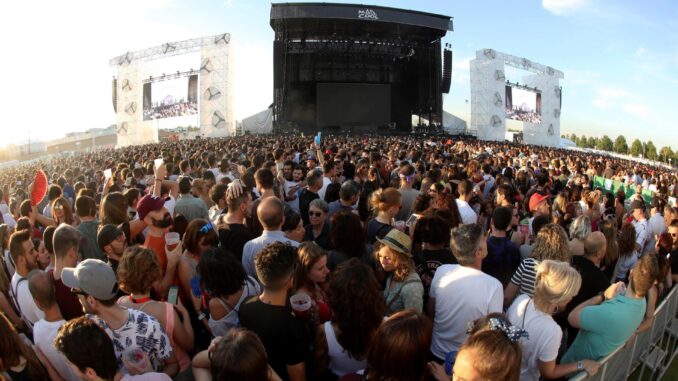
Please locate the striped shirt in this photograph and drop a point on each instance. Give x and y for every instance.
(526, 276)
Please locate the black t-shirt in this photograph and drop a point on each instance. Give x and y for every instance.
(305, 199)
(253, 223)
(284, 337)
(674, 262)
(323, 240)
(234, 238)
(349, 170)
(376, 229)
(428, 261)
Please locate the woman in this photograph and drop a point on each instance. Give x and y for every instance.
(237, 356)
(198, 238)
(670, 214)
(347, 238)
(17, 358)
(491, 337)
(223, 278)
(341, 344)
(399, 349)
(113, 210)
(44, 259)
(310, 274)
(579, 230)
(550, 244)
(557, 284)
(6, 306)
(609, 229)
(318, 230)
(404, 289)
(627, 252)
(137, 271)
(387, 204)
(293, 227)
(62, 213)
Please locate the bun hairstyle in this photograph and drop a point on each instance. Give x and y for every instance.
(556, 282)
(492, 337)
(384, 199)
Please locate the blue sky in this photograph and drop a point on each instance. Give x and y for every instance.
(620, 58)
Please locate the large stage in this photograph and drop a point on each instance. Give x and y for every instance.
(356, 68)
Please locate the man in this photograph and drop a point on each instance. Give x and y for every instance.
(407, 193)
(655, 225)
(349, 193)
(25, 260)
(66, 243)
(461, 293)
(608, 319)
(504, 195)
(328, 176)
(265, 181)
(593, 279)
(187, 205)
(292, 186)
(673, 231)
(503, 255)
(218, 196)
(540, 188)
(94, 282)
(235, 234)
(185, 168)
(538, 206)
(315, 182)
(271, 215)
(87, 209)
(465, 190)
(270, 317)
(640, 224)
(53, 192)
(45, 330)
(90, 355)
(113, 242)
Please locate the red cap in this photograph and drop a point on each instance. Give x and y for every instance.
(535, 200)
(149, 203)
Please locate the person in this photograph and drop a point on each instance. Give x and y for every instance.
(314, 179)
(347, 238)
(386, 203)
(86, 209)
(433, 231)
(187, 205)
(269, 315)
(62, 212)
(238, 356)
(608, 319)
(233, 234)
(137, 271)
(97, 288)
(461, 293)
(113, 210)
(112, 241)
(310, 275)
(270, 213)
(17, 358)
(491, 337)
(628, 256)
(293, 227)
(407, 192)
(557, 282)
(45, 330)
(25, 260)
(551, 243)
(223, 279)
(67, 253)
(199, 237)
(503, 255)
(264, 180)
(349, 193)
(338, 349)
(579, 230)
(398, 349)
(318, 230)
(609, 229)
(654, 293)
(91, 355)
(403, 289)
(640, 224)
(655, 225)
(465, 190)
(328, 176)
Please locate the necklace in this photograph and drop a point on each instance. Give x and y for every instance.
(140, 300)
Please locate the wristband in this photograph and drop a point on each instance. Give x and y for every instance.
(202, 316)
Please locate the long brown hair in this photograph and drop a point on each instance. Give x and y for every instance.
(309, 253)
(13, 348)
(68, 212)
(113, 209)
(609, 230)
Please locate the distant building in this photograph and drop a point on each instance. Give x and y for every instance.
(94, 138)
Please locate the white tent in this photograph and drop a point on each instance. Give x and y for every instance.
(259, 123)
(567, 143)
(453, 124)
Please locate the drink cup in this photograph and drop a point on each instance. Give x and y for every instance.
(136, 358)
(172, 240)
(301, 304)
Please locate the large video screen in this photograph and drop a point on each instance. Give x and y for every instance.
(352, 104)
(523, 105)
(171, 98)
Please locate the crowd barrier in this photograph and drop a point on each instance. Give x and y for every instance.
(650, 351)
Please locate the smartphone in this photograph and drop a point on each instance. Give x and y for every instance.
(173, 294)
(410, 220)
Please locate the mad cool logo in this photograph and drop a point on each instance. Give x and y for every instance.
(367, 14)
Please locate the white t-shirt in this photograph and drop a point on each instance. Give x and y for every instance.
(150, 376)
(468, 215)
(44, 333)
(642, 232)
(294, 204)
(462, 294)
(169, 205)
(544, 336)
(655, 227)
(326, 182)
(30, 313)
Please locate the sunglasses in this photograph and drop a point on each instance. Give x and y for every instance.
(316, 214)
(206, 228)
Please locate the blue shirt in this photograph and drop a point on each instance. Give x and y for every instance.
(255, 246)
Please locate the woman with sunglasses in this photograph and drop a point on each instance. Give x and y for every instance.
(62, 213)
(318, 230)
(199, 237)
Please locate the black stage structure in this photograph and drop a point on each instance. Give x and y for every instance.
(357, 68)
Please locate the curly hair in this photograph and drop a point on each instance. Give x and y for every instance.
(353, 281)
(627, 239)
(404, 264)
(220, 273)
(346, 233)
(551, 243)
(275, 264)
(138, 269)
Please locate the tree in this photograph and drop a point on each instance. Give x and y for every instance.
(636, 148)
(581, 141)
(573, 137)
(592, 142)
(604, 143)
(620, 145)
(650, 150)
(665, 153)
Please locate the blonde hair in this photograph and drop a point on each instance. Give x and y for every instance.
(580, 228)
(551, 243)
(403, 263)
(383, 199)
(556, 282)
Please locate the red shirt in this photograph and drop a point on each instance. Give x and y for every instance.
(68, 302)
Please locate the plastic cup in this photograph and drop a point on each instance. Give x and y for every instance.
(135, 357)
(172, 240)
(301, 304)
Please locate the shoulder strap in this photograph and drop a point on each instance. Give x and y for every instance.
(397, 295)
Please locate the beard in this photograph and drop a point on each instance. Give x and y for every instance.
(164, 223)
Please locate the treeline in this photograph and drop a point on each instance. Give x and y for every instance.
(637, 148)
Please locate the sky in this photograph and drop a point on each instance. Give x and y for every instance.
(620, 57)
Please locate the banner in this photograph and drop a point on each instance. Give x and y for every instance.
(609, 186)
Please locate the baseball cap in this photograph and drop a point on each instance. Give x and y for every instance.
(107, 234)
(149, 203)
(93, 277)
(398, 241)
(535, 200)
(638, 204)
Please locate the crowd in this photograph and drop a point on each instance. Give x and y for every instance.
(360, 258)
(180, 108)
(523, 116)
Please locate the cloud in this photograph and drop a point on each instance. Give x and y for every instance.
(608, 96)
(563, 7)
(639, 110)
(640, 52)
